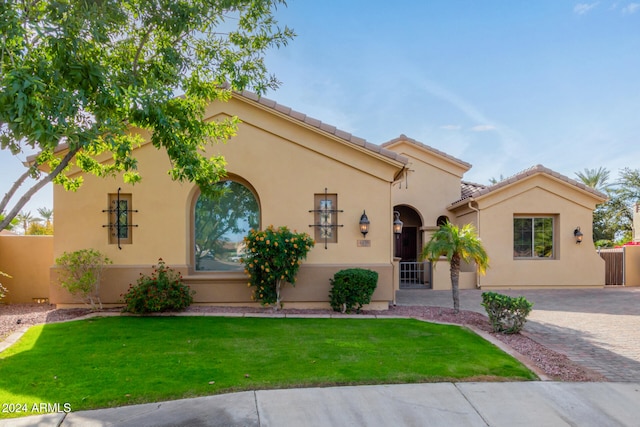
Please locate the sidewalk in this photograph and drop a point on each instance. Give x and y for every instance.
(437, 404)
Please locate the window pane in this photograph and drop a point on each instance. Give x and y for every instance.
(533, 237)
(522, 237)
(120, 219)
(122, 222)
(543, 229)
(221, 223)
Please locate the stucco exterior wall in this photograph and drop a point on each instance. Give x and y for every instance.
(430, 185)
(632, 266)
(573, 265)
(287, 164)
(27, 259)
(441, 277)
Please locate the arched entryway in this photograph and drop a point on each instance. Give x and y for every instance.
(408, 245)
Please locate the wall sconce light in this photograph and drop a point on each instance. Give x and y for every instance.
(364, 224)
(578, 235)
(397, 224)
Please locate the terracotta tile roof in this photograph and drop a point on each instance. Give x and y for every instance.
(426, 147)
(332, 130)
(468, 192)
(469, 189)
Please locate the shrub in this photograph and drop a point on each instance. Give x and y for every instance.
(506, 314)
(352, 288)
(162, 291)
(3, 290)
(273, 257)
(81, 273)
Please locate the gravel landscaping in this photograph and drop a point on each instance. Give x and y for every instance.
(554, 365)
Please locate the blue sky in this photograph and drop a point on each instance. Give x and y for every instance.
(501, 84)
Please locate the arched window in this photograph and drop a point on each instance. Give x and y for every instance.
(220, 224)
(442, 220)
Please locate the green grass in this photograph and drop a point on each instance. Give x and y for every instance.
(107, 362)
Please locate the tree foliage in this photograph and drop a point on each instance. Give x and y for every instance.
(613, 219)
(595, 178)
(10, 224)
(77, 76)
(456, 244)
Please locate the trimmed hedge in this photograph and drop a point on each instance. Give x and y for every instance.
(352, 288)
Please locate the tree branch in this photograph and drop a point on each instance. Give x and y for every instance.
(14, 188)
(27, 196)
(143, 41)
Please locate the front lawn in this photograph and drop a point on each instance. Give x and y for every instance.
(117, 361)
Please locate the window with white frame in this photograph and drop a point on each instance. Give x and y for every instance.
(533, 237)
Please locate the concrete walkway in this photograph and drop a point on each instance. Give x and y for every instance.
(597, 328)
(526, 404)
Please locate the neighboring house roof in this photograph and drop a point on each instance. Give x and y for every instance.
(319, 125)
(427, 148)
(471, 191)
(303, 118)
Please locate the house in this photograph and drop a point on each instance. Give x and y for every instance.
(285, 168)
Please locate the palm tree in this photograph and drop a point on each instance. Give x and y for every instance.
(456, 244)
(46, 214)
(595, 178)
(26, 218)
(494, 181)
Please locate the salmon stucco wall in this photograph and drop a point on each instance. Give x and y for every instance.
(572, 264)
(632, 266)
(431, 181)
(28, 260)
(286, 165)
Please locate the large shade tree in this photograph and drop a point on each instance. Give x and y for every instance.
(76, 76)
(456, 245)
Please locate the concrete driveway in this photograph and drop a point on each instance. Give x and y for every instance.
(597, 328)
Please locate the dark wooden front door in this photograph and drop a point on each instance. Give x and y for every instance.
(407, 244)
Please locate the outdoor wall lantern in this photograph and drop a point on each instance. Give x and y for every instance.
(578, 235)
(364, 224)
(397, 224)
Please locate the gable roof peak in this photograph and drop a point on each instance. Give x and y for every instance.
(321, 126)
(425, 147)
(469, 190)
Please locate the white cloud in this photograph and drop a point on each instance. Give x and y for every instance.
(631, 8)
(451, 127)
(483, 128)
(582, 8)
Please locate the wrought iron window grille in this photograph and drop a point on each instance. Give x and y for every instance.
(116, 211)
(326, 225)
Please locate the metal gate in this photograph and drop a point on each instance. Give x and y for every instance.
(415, 275)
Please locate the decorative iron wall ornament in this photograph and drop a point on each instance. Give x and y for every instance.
(119, 219)
(326, 219)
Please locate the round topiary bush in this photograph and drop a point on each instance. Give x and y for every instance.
(352, 288)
